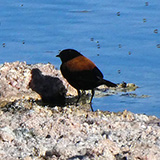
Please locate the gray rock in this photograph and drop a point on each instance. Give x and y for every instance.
(31, 130)
(41, 132)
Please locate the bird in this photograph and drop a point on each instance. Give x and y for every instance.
(81, 72)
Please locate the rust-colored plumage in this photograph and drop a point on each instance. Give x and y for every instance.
(79, 64)
(81, 72)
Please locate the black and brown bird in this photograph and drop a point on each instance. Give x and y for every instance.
(81, 72)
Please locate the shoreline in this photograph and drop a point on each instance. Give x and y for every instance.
(30, 129)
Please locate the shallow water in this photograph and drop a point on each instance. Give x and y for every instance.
(122, 38)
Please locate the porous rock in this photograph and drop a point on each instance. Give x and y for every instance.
(30, 130)
(16, 76)
(41, 132)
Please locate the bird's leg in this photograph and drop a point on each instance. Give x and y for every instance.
(79, 95)
(92, 96)
(91, 100)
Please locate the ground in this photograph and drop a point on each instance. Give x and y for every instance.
(30, 129)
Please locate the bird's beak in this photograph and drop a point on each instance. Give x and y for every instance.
(57, 55)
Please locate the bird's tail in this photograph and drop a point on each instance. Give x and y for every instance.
(108, 83)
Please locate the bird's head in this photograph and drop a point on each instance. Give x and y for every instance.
(68, 54)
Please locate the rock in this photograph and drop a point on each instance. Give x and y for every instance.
(42, 81)
(30, 129)
(6, 134)
(16, 76)
(41, 132)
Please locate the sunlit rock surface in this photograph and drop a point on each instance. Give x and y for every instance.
(31, 129)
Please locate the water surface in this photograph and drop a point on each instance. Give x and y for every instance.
(121, 37)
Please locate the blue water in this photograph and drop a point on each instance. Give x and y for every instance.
(116, 35)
